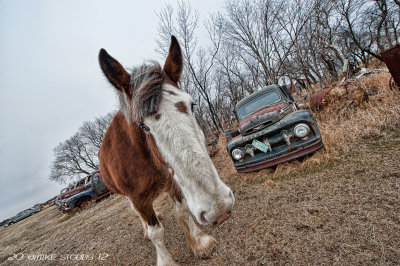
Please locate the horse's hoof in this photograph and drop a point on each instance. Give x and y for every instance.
(205, 247)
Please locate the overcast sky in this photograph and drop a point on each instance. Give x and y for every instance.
(50, 80)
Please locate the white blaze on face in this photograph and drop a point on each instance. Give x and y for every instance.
(182, 145)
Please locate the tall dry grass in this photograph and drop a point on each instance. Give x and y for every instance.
(343, 122)
(374, 118)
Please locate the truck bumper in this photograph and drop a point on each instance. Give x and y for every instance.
(66, 209)
(292, 155)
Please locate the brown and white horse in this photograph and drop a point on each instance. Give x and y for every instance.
(154, 145)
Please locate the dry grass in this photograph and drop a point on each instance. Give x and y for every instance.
(344, 120)
(343, 125)
(339, 206)
(347, 117)
(345, 213)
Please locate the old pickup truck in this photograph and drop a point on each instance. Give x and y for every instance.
(88, 189)
(271, 131)
(24, 214)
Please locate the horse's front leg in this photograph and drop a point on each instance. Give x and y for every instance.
(156, 234)
(144, 223)
(155, 231)
(201, 244)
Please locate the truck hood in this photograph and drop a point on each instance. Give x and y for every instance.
(294, 117)
(263, 118)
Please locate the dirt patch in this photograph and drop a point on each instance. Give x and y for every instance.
(342, 211)
(339, 206)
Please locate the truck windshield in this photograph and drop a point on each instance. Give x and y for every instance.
(258, 103)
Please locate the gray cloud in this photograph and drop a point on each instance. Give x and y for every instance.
(50, 81)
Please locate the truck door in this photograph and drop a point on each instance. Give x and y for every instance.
(98, 184)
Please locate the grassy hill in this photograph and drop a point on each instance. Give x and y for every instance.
(339, 206)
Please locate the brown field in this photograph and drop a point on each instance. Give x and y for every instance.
(339, 206)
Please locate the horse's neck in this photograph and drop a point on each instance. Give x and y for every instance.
(143, 144)
(139, 146)
(125, 136)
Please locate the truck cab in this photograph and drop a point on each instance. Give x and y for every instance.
(271, 130)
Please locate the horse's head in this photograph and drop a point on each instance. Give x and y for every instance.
(151, 97)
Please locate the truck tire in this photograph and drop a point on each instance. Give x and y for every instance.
(83, 203)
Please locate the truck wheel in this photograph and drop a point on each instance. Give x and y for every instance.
(84, 203)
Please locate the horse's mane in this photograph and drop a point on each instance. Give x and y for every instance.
(146, 82)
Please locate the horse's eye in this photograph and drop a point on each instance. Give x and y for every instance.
(193, 104)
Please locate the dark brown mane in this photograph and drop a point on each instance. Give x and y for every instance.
(146, 82)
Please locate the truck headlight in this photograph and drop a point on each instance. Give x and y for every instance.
(301, 130)
(237, 154)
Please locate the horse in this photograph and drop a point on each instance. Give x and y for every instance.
(154, 145)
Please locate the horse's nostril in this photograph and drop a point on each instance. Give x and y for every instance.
(232, 197)
(203, 218)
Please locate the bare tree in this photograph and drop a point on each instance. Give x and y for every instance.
(255, 43)
(198, 60)
(78, 155)
(371, 25)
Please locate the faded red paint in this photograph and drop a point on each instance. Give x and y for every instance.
(316, 99)
(270, 109)
(391, 57)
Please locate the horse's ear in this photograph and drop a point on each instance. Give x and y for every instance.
(114, 72)
(173, 65)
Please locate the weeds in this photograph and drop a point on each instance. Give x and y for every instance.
(347, 117)
(381, 113)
